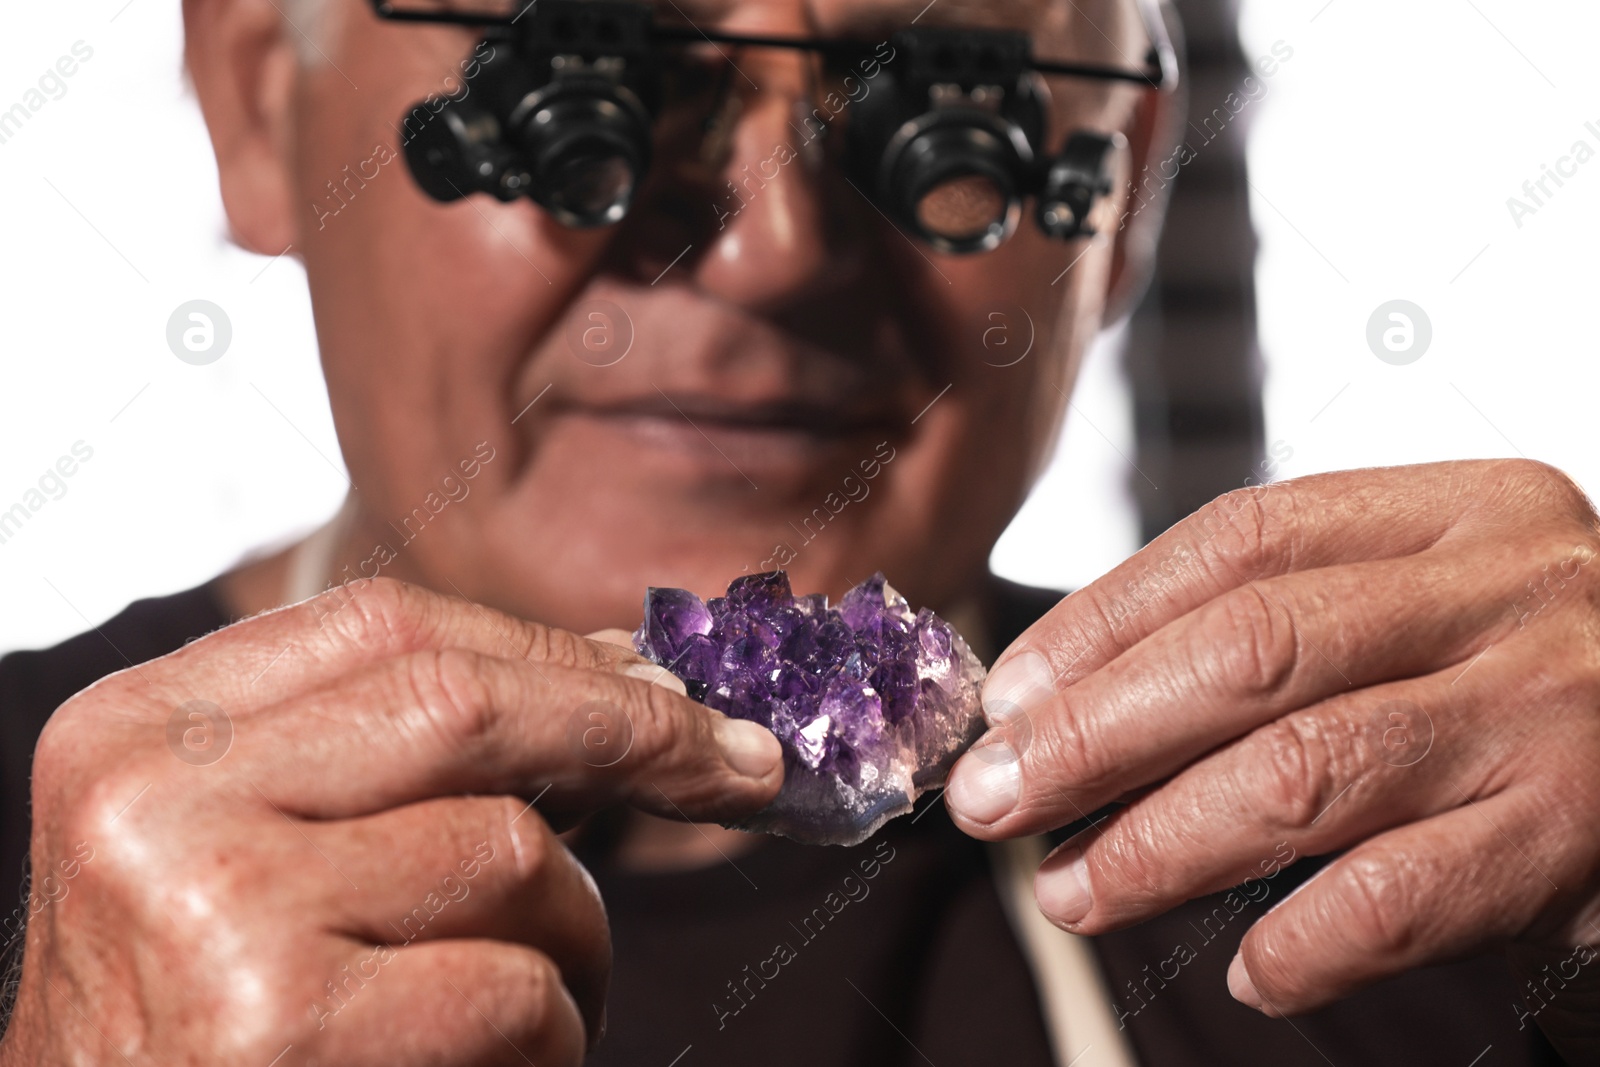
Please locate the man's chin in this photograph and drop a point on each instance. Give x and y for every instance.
(588, 568)
(609, 504)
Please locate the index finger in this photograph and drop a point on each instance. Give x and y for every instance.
(1260, 532)
(435, 724)
(297, 649)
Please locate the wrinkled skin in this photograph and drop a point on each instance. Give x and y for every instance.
(393, 740)
(199, 913)
(355, 877)
(1401, 663)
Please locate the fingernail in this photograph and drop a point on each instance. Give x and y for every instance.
(649, 672)
(749, 748)
(985, 784)
(620, 638)
(1018, 685)
(1239, 984)
(1062, 888)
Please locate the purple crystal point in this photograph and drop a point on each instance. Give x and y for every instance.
(862, 607)
(872, 703)
(896, 683)
(761, 592)
(811, 741)
(670, 616)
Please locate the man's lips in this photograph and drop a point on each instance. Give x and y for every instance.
(718, 371)
(783, 445)
(819, 419)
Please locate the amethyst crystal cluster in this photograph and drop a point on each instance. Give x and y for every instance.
(872, 702)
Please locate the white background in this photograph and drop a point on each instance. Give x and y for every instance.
(1382, 157)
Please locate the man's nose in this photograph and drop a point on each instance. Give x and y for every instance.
(772, 242)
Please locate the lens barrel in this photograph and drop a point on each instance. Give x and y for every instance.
(454, 149)
(586, 143)
(954, 177)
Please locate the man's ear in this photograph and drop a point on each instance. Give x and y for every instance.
(1155, 131)
(244, 68)
(1152, 140)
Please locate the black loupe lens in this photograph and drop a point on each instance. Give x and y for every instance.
(454, 151)
(587, 147)
(964, 209)
(589, 183)
(955, 182)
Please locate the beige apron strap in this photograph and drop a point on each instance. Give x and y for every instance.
(1072, 991)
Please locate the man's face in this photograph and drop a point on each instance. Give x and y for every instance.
(803, 385)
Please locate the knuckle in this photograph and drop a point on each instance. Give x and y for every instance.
(550, 645)
(1377, 900)
(1104, 610)
(1557, 559)
(1261, 652)
(448, 690)
(663, 723)
(1539, 481)
(1544, 492)
(83, 735)
(212, 884)
(58, 755)
(102, 812)
(1132, 857)
(1245, 527)
(252, 1014)
(1275, 952)
(283, 1020)
(383, 613)
(1290, 773)
(1063, 749)
(1575, 566)
(1553, 572)
(1567, 562)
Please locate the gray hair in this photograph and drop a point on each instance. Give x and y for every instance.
(304, 24)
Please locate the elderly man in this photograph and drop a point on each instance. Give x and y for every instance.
(362, 828)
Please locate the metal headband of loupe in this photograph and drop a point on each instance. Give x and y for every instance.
(949, 142)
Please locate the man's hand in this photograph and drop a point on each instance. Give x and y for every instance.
(338, 858)
(1400, 663)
